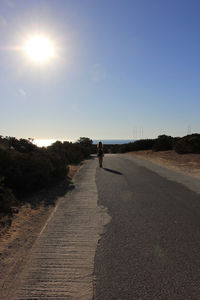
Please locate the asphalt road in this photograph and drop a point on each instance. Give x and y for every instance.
(150, 249)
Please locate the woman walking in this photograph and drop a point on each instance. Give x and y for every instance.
(100, 153)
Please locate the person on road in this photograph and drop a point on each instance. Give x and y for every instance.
(100, 154)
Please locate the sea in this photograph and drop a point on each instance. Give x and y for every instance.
(113, 142)
(48, 142)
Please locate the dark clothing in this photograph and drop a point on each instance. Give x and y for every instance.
(100, 152)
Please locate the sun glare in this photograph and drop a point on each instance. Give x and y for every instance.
(39, 49)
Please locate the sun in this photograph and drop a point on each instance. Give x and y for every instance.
(39, 49)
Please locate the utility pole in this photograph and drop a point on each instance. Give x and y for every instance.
(142, 132)
(135, 133)
(189, 130)
(138, 132)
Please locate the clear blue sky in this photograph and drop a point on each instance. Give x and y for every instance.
(121, 65)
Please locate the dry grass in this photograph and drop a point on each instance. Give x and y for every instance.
(184, 163)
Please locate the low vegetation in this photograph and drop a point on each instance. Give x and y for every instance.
(187, 144)
(25, 168)
(145, 144)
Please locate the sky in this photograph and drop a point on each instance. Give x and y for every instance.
(122, 69)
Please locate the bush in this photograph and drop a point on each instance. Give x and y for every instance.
(188, 144)
(7, 198)
(85, 146)
(70, 153)
(163, 143)
(27, 168)
(21, 145)
(84, 141)
(35, 167)
(28, 171)
(145, 144)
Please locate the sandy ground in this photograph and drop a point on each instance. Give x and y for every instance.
(18, 239)
(184, 163)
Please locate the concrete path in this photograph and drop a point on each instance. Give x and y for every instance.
(62, 260)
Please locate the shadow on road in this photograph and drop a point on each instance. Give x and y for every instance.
(112, 171)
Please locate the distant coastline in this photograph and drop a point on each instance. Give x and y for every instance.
(48, 142)
(113, 141)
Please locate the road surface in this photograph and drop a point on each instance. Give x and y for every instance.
(130, 230)
(151, 247)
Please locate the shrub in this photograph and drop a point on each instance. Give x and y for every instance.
(21, 145)
(84, 141)
(7, 198)
(26, 168)
(85, 145)
(145, 144)
(71, 153)
(28, 171)
(188, 144)
(163, 143)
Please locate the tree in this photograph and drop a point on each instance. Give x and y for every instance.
(84, 141)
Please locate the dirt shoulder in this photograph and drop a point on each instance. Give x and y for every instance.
(184, 163)
(17, 240)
